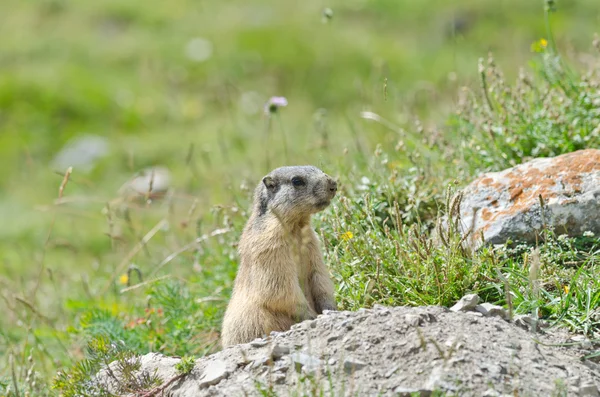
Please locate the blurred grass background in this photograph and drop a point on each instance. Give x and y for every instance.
(182, 84)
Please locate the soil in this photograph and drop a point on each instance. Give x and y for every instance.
(393, 351)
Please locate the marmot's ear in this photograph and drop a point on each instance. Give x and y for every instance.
(269, 182)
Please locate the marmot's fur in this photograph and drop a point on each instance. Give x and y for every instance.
(281, 279)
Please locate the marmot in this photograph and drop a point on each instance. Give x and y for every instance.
(281, 279)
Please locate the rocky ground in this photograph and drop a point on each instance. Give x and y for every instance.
(394, 351)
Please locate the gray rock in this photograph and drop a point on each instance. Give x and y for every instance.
(488, 309)
(153, 182)
(506, 206)
(525, 321)
(466, 303)
(278, 378)
(81, 153)
(258, 342)
(279, 351)
(401, 391)
(214, 372)
(259, 362)
(306, 362)
(589, 389)
(352, 364)
(456, 354)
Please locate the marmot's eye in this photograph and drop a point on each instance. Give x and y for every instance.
(297, 181)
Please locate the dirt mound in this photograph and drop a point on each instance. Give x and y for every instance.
(390, 351)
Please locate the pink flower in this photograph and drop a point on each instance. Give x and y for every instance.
(275, 103)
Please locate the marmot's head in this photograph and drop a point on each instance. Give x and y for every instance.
(294, 193)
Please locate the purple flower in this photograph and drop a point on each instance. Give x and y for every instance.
(275, 103)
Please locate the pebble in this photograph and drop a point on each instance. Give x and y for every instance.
(466, 303)
(214, 372)
(490, 310)
(279, 351)
(353, 364)
(258, 343)
(306, 363)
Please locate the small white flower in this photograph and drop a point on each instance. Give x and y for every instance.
(588, 234)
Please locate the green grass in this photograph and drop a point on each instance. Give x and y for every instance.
(121, 70)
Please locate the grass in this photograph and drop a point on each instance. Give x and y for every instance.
(155, 275)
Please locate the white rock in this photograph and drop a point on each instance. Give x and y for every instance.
(491, 310)
(466, 303)
(306, 362)
(505, 205)
(214, 372)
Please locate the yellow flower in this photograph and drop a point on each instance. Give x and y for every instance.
(539, 46)
(347, 236)
(124, 279)
(566, 289)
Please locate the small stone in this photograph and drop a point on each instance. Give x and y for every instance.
(279, 351)
(333, 338)
(332, 361)
(306, 363)
(392, 371)
(466, 303)
(411, 391)
(278, 378)
(328, 312)
(352, 346)
(589, 389)
(474, 314)
(582, 340)
(490, 310)
(213, 373)
(491, 393)
(353, 364)
(259, 362)
(412, 320)
(525, 321)
(258, 343)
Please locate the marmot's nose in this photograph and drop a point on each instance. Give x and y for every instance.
(332, 185)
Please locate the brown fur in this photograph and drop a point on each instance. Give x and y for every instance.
(281, 279)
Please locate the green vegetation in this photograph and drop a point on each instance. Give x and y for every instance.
(87, 277)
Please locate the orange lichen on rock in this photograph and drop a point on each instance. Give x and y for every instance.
(499, 197)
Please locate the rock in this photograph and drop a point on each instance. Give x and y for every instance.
(466, 303)
(214, 372)
(258, 342)
(306, 363)
(279, 351)
(525, 321)
(259, 362)
(411, 392)
(589, 389)
(391, 371)
(456, 354)
(351, 365)
(153, 182)
(506, 205)
(278, 378)
(582, 340)
(488, 309)
(81, 153)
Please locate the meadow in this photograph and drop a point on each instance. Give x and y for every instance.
(393, 98)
